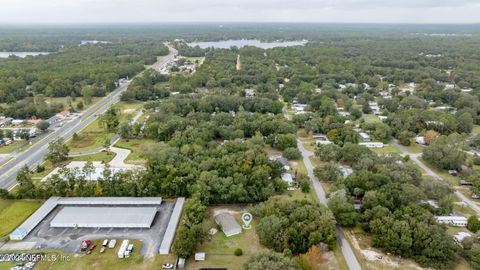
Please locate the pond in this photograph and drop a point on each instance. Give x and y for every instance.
(21, 54)
(226, 44)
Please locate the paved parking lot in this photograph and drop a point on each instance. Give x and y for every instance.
(69, 239)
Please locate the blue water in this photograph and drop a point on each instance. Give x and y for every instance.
(226, 44)
(21, 54)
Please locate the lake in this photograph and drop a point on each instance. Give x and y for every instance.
(21, 54)
(226, 44)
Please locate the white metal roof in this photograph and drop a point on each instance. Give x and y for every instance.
(228, 223)
(30, 223)
(171, 227)
(452, 218)
(104, 217)
(110, 200)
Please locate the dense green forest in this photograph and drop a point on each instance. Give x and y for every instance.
(211, 128)
(70, 72)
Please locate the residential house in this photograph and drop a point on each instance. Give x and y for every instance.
(228, 224)
(372, 144)
(365, 137)
(453, 220)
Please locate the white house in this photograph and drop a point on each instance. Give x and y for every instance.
(249, 92)
(457, 221)
(288, 177)
(459, 237)
(344, 114)
(299, 108)
(365, 137)
(200, 256)
(420, 140)
(449, 86)
(284, 161)
(375, 108)
(321, 139)
(228, 224)
(17, 122)
(345, 171)
(372, 144)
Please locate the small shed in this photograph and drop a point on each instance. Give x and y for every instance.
(288, 178)
(459, 237)
(228, 224)
(200, 256)
(181, 263)
(420, 140)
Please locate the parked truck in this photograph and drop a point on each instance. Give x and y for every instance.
(123, 249)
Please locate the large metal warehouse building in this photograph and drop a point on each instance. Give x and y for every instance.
(141, 211)
(104, 217)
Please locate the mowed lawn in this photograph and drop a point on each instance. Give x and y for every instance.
(219, 250)
(13, 213)
(138, 148)
(97, 260)
(4, 149)
(93, 136)
(102, 156)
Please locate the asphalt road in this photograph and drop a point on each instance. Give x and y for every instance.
(37, 152)
(415, 156)
(341, 240)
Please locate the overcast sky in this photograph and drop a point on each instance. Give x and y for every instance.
(89, 11)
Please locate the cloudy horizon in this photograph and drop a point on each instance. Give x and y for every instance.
(334, 11)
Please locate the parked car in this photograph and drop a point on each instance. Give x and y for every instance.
(92, 247)
(167, 266)
(105, 243)
(86, 244)
(112, 243)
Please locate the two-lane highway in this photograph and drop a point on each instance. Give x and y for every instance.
(343, 243)
(36, 153)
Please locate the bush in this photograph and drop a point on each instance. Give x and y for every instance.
(405, 137)
(238, 252)
(473, 224)
(292, 153)
(40, 168)
(269, 260)
(303, 262)
(3, 193)
(476, 160)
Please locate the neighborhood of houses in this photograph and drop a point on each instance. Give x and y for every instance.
(26, 129)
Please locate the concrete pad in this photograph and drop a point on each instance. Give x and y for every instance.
(9, 246)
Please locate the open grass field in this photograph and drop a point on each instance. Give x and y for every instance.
(388, 149)
(371, 118)
(453, 180)
(219, 250)
(138, 148)
(5, 149)
(128, 109)
(97, 260)
(195, 59)
(91, 137)
(13, 213)
(102, 156)
(476, 129)
(94, 135)
(414, 147)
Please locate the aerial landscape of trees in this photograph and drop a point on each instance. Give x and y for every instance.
(210, 138)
